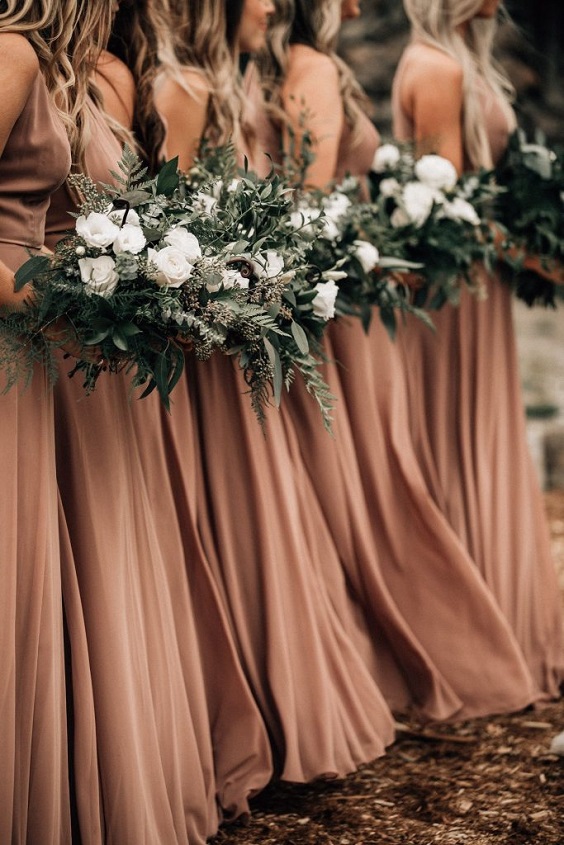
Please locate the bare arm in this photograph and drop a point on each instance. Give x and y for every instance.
(117, 87)
(431, 94)
(183, 107)
(19, 68)
(311, 91)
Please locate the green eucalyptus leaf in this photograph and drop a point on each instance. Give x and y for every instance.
(33, 267)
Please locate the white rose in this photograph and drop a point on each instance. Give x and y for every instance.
(436, 172)
(389, 187)
(99, 275)
(386, 157)
(367, 254)
(336, 205)
(204, 203)
(117, 215)
(130, 238)
(97, 229)
(172, 265)
(418, 199)
(460, 209)
(269, 265)
(184, 241)
(325, 298)
(303, 217)
(330, 229)
(233, 279)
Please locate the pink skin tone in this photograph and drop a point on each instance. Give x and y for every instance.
(350, 9)
(254, 25)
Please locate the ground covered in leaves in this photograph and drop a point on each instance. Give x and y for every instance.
(475, 783)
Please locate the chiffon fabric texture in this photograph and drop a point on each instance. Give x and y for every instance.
(147, 708)
(34, 797)
(439, 645)
(468, 428)
(264, 537)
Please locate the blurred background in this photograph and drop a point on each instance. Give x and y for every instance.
(531, 48)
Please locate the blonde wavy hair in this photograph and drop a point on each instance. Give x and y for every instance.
(315, 23)
(48, 26)
(452, 26)
(204, 35)
(90, 35)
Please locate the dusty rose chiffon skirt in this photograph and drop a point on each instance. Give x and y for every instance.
(34, 797)
(468, 428)
(440, 645)
(265, 538)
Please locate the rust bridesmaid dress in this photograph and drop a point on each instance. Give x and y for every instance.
(154, 740)
(34, 796)
(468, 428)
(264, 538)
(440, 645)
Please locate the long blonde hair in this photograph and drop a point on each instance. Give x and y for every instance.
(452, 26)
(48, 26)
(201, 43)
(90, 35)
(315, 23)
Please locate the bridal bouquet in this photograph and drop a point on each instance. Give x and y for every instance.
(346, 262)
(151, 271)
(423, 212)
(530, 208)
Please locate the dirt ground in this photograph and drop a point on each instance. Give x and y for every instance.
(485, 781)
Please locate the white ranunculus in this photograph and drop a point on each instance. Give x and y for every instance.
(172, 265)
(268, 265)
(325, 298)
(117, 216)
(417, 200)
(460, 209)
(385, 158)
(99, 275)
(233, 279)
(97, 229)
(436, 172)
(130, 238)
(367, 254)
(389, 187)
(184, 241)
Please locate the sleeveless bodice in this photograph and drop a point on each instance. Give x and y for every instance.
(265, 140)
(102, 154)
(34, 163)
(495, 120)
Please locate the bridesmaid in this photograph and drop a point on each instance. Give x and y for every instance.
(144, 765)
(34, 160)
(324, 713)
(417, 587)
(466, 408)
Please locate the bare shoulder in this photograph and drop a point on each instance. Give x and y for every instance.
(187, 88)
(426, 65)
(307, 63)
(18, 58)
(116, 72)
